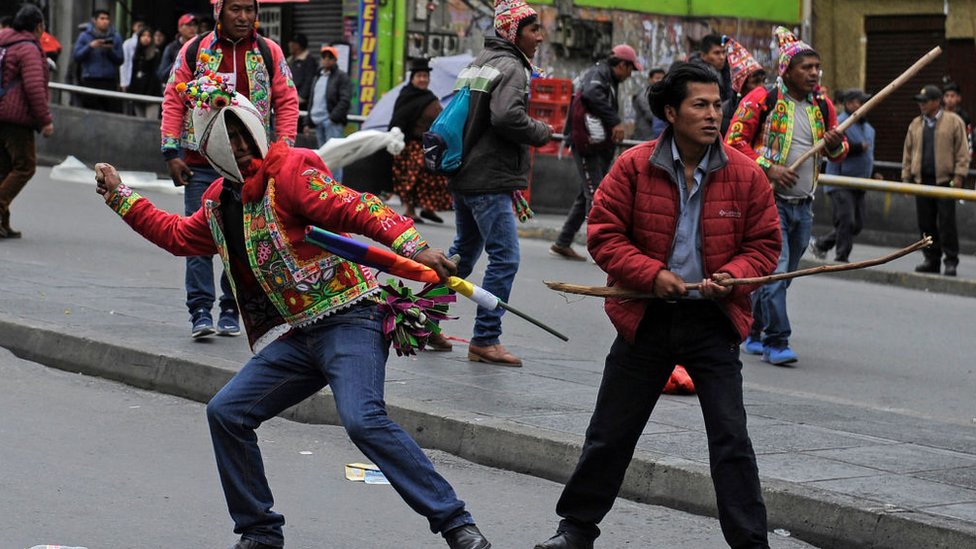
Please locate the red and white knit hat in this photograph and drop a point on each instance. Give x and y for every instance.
(508, 14)
(741, 63)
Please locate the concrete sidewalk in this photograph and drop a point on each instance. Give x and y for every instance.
(883, 481)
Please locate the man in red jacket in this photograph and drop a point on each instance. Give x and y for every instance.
(23, 106)
(686, 207)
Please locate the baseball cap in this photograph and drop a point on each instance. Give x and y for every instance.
(329, 49)
(928, 93)
(856, 94)
(626, 53)
(186, 19)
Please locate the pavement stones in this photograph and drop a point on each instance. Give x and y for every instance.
(883, 481)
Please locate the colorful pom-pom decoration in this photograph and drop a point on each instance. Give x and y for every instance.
(409, 318)
(207, 91)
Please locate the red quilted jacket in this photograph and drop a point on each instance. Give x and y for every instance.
(635, 213)
(25, 74)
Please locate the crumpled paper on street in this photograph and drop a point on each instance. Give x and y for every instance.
(74, 170)
(343, 151)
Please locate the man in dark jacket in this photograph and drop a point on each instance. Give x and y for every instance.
(328, 101)
(303, 67)
(186, 28)
(647, 126)
(592, 151)
(496, 165)
(99, 52)
(712, 53)
(647, 230)
(23, 108)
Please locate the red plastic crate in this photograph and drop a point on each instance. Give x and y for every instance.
(559, 90)
(550, 112)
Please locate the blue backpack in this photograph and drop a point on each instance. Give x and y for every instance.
(444, 142)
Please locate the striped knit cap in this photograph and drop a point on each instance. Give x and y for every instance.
(508, 14)
(741, 63)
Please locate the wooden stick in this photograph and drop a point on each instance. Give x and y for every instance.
(871, 103)
(618, 292)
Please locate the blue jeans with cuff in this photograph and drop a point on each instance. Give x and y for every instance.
(486, 222)
(199, 278)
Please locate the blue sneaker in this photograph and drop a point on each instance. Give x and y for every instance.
(753, 346)
(227, 324)
(203, 325)
(779, 357)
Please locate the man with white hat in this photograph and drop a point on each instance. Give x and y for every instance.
(311, 317)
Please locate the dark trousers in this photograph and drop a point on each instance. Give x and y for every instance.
(592, 168)
(696, 334)
(18, 161)
(848, 216)
(937, 218)
(98, 103)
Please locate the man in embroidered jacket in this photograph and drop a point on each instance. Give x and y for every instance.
(310, 317)
(233, 51)
(775, 131)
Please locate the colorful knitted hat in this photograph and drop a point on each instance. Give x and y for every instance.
(508, 14)
(789, 47)
(218, 6)
(741, 63)
(209, 99)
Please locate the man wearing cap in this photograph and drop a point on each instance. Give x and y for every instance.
(255, 67)
(774, 126)
(593, 136)
(311, 318)
(746, 74)
(848, 204)
(952, 102)
(936, 153)
(186, 30)
(328, 103)
(495, 167)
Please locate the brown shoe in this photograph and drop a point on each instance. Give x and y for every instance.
(438, 342)
(565, 252)
(493, 354)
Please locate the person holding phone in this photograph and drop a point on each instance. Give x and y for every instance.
(99, 52)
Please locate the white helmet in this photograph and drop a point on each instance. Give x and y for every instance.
(210, 124)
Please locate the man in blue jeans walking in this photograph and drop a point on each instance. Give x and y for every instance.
(775, 126)
(236, 53)
(496, 165)
(311, 317)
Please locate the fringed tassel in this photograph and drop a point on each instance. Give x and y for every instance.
(521, 207)
(410, 318)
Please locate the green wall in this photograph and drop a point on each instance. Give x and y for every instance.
(767, 10)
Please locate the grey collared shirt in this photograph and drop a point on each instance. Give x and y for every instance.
(685, 259)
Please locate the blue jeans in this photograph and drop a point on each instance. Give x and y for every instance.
(348, 352)
(487, 222)
(326, 131)
(769, 302)
(199, 269)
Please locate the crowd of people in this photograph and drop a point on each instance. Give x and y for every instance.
(719, 188)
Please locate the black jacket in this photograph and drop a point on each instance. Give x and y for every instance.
(338, 94)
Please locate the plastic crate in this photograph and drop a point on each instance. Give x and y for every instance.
(559, 90)
(550, 112)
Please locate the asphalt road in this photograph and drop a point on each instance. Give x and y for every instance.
(882, 347)
(92, 463)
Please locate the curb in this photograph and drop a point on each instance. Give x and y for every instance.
(823, 518)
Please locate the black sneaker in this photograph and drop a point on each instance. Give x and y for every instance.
(817, 252)
(227, 324)
(203, 325)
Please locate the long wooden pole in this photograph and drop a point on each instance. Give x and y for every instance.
(871, 103)
(620, 292)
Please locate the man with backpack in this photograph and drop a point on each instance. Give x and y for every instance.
(774, 126)
(495, 165)
(23, 106)
(594, 127)
(255, 67)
